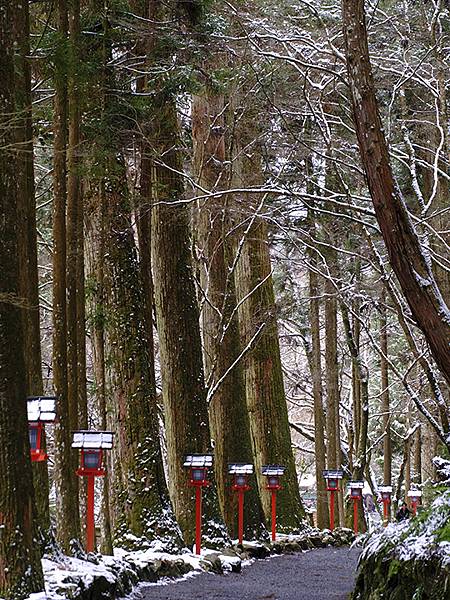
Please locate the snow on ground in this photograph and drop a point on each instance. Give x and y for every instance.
(65, 575)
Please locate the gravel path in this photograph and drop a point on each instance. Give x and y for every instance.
(322, 574)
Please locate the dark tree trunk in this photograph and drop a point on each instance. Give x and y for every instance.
(315, 364)
(385, 396)
(332, 377)
(184, 393)
(362, 378)
(96, 307)
(67, 514)
(141, 499)
(72, 228)
(266, 399)
(221, 343)
(20, 566)
(27, 247)
(406, 255)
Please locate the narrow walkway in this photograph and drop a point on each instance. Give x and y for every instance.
(322, 574)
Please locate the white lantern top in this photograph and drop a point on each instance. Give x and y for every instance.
(41, 408)
(198, 460)
(270, 470)
(357, 485)
(333, 474)
(240, 469)
(93, 440)
(414, 494)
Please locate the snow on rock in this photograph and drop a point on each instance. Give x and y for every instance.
(97, 577)
(410, 559)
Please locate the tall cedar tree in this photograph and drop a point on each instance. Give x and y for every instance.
(20, 566)
(315, 364)
(67, 506)
(221, 343)
(177, 313)
(406, 255)
(28, 268)
(266, 400)
(122, 339)
(141, 500)
(184, 393)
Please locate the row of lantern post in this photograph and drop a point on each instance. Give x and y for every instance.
(198, 465)
(92, 444)
(355, 487)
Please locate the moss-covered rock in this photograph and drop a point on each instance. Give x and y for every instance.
(410, 561)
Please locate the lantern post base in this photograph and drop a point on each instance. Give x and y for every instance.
(90, 525)
(332, 510)
(241, 516)
(198, 519)
(355, 516)
(274, 515)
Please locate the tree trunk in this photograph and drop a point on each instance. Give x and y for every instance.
(362, 378)
(406, 254)
(95, 261)
(385, 396)
(67, 516)
(141, 501)
(332, 379)
(27, 247)
(20, 566)
(221, 344)
(315, 363)
(184, 393)
(73, 230)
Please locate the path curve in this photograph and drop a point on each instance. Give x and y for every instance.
(323, 574)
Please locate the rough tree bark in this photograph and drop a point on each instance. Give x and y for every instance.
(20, 566)
(362, 379)
(184, 393)
(385, 396)
(315, 365)
(332, 375)
(406, 254)
(67, 513)
(142, 505)
(72, 228)
(221, 343)
(266, 400)
(95, 198)
(27, 247)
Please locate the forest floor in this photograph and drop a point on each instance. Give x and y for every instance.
(323, 574)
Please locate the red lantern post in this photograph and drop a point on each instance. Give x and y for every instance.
(273, 474)
(386, 493)
(240, 472)
(198, 465)
(356, 495)
(414, 496)
(332, 477)
(91, 444)
(41, 410)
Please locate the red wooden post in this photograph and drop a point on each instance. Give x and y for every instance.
(274, 515)
(198, 519)
(241, 515)
(90, 531)
(414, 507)
(385, 511)
(332, 510)
(355, 515)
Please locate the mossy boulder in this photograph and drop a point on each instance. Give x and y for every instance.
(409, 561)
